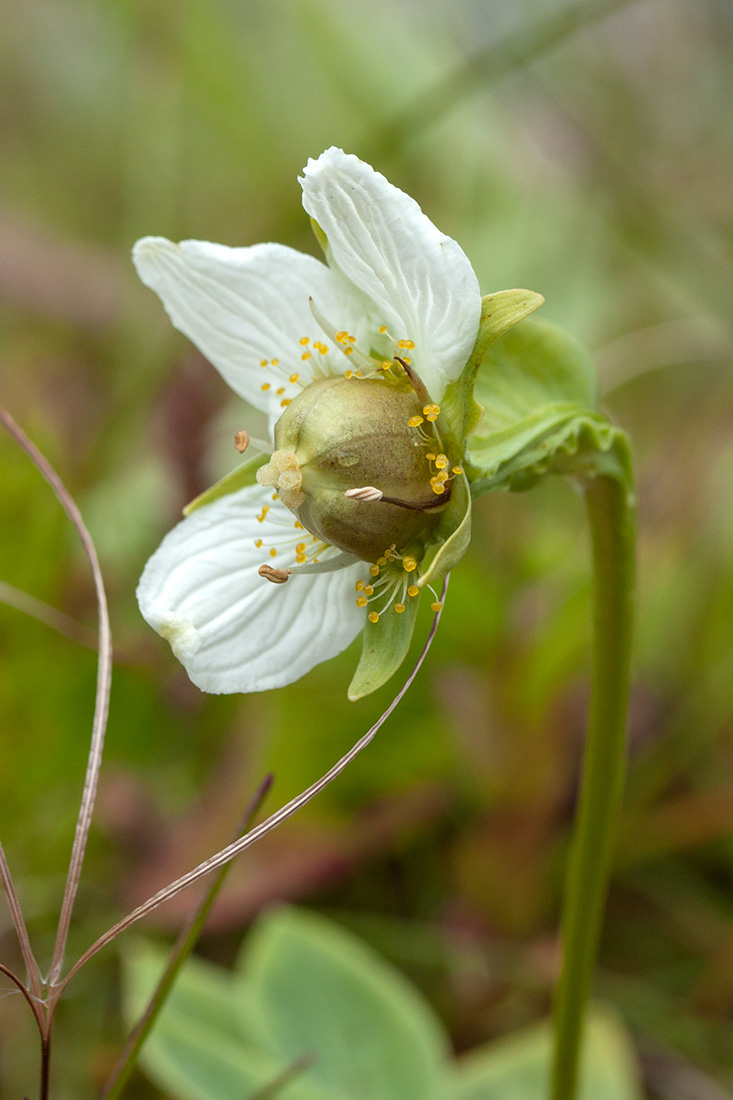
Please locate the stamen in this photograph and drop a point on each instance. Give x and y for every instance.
(373, 617)
(241, 441)
(277, 576)
(432, 412)
(367, 492)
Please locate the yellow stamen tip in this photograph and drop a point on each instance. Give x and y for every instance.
(361, 601)
(436, 605)
(399, 608)
(273, 553)
(374, 570)
(263, 362)
(409, 564)
(415, 421)
(373, 617)
(413, 590)
(275, 362)
(304, 340)
(382, 329)
(358, 586)
(294, 378)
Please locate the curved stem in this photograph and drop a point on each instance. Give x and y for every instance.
(612, 523)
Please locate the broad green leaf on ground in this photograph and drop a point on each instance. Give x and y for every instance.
(199, 1049)
(315, 989)
(518, 1068)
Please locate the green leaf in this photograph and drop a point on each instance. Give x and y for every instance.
(534, 366)
(384, 648)
(316, 989)
(518, 1068)
(199, 1049)
(230, 483)
(499, 312)
(538, 389)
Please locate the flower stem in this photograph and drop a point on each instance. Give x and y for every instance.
(612, 522)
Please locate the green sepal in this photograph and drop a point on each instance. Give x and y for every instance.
(384, 648)
(238, 479)
(450, 539)
(499, 312)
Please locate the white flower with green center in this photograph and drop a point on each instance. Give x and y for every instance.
(353, 511)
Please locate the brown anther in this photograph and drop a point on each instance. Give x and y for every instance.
(241, 441)
(277, 576)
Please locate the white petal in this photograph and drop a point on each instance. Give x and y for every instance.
(241, 306)
(231, 629)
(420, 281)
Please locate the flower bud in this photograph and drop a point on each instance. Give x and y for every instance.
(349, 433)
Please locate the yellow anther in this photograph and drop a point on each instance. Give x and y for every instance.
(358, 374)
(413, 590)
(274, 495)
(265, 386)
(399, 608)
(368, 590)
(406, 360)
(382, 330)
(432, 412)
(361, 601)
(381, 561)
(263, 513)
(374, 570)
(263, 362)
(323, 349)
(436, 605)
(341, 336)
(301, 559)
(351, 339)
(437, 486)
(358, 586)
(410, 345)
(415, 421)
(300, 549)
(273, 553)
(402, 344)
(294, 378)
(386, 364)
(305, 356)
(441, 462)
(348, 350)
(275, 362)
(348, 374)
(457, 469)
(280, 391)
(299, 525)
(373, 617)
(409, 564)
(430, 456)
(285, 402)
(304, 340)
(258, 543)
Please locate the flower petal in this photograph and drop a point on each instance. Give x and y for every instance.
(420, 281)
(245, 306)
(232, 629)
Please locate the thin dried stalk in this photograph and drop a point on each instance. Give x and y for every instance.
(267, 826)
(104, 673)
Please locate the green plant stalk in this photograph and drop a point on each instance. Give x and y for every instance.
(612, 521)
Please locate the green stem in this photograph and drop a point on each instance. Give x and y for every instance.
(612, 524)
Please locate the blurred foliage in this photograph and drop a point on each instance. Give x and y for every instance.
(594, 167)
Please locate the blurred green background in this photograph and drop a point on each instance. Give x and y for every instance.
(587, 157)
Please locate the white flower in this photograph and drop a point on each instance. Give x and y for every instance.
(273, 321)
